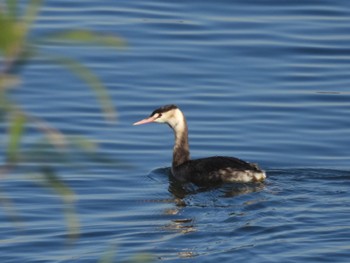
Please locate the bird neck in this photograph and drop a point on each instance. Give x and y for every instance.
(181, 152)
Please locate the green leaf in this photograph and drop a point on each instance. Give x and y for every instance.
(143, 258)
(31, 13)
(6, 105)
(12, 8)
(95, 84)
(8, 81)
(56, 184)
(72, 221)
(109, 255)
(9, 207)
(15, 134)
(85, 37)
(12, 36)
(23, 58)
(82, 143)
(8, 39)
(42, 152)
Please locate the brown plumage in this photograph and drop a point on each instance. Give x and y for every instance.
(204, 171)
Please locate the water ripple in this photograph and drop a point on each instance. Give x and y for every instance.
(264, 81)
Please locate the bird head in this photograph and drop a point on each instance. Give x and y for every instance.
(166, 114)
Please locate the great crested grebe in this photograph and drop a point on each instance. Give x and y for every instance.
(204, 171)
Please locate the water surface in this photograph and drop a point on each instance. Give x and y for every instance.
(264, 81)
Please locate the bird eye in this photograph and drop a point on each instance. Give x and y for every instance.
(159, 115)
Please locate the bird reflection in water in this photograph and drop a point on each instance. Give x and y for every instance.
(181, 190)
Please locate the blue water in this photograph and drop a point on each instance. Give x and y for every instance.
(265, 81)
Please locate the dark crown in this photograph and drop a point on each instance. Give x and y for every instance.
(164, 109)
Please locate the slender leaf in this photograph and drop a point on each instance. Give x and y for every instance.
(15, 134)
(6, 33)
(56, 184)
(72, 221)
(82, 143)
(8, 206)
(6, 105)
(142, 258)
(85, 37)
(44, 152)
(23, 58)
(31, 13)
(54, 136)
(95, 84)
(12, 8)
(11, 39)
(8, 81)
(109, 255)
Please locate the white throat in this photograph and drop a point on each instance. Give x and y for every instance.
(178, 123)
(181, 151)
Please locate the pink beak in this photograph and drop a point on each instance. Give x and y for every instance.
(144, 121)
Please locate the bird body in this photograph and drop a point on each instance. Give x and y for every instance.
(217, 169)
(204, 171)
